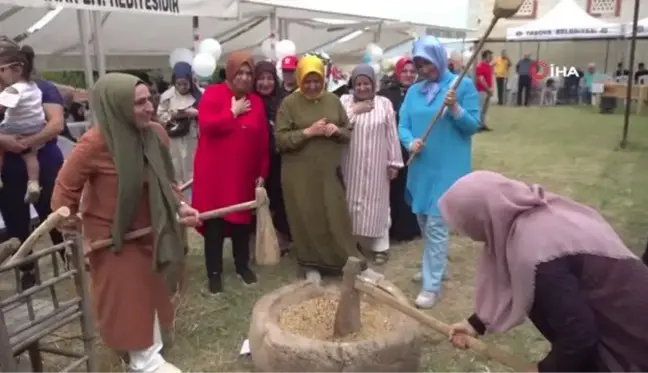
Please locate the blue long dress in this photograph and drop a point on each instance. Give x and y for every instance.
(446, 157)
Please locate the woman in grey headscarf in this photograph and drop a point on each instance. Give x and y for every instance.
(371, 161)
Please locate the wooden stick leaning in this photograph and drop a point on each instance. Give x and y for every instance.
(8, 247)
(501, 9)
(490, 352)
(53, 220)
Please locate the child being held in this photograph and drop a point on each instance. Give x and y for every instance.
(21, 101)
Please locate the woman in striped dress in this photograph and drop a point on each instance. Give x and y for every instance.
(371, 162)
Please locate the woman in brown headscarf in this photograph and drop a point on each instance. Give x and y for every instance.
(312, 131)
(232, 155)
(123, 169)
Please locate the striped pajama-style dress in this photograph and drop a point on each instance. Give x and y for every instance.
(373, 148)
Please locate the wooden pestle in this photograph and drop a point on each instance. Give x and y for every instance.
(347, 316)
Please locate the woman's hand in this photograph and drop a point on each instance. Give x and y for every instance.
(460, 332)
(316, 129)
(240, 106)
(392, 172)
(416, 146)
(11, 144)
(189, 216)
(191, 112)
(451, 99)
(362, 107)
(331, 129)
(70, 225)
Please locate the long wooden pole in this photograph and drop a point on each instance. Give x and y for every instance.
(490, 352)
(455, 84)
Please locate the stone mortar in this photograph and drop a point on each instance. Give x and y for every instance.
(275, 350)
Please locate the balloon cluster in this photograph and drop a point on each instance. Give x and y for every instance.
(204, 62)
(373, 56)
(276, 50)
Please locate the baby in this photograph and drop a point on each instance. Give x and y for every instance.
(21, 101)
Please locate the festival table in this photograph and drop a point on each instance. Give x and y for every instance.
(619, 90)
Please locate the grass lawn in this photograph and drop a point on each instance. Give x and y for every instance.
(570, 151)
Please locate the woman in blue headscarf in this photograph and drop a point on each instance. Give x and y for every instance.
(443, 158)
(178, 112)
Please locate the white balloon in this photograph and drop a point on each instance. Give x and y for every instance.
(375, 52)
(204, 65)
(376, 67)
(268, 48)
(285, 48)
(180, 55)
(210, 46)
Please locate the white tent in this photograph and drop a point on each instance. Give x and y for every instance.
(140, 39)
(567, 20)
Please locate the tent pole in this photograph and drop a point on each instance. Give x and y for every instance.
(82, 21)
(195, 30)
(633, 45)
(607, 56)
(97, 42)
(377, 34)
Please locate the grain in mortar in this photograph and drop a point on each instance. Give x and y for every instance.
(315, 317)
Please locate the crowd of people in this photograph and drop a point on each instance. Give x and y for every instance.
(334, 168)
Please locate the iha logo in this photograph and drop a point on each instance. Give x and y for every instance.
(541, 70)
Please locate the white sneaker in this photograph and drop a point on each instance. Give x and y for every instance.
(168, 368)
(426, 299)
(313, 276)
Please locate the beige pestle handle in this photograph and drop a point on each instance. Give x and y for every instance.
(491, 352)
(203, 216)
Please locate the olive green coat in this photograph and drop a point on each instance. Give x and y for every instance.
(312, 183)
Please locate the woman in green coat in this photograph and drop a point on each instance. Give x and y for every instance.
(312, 130)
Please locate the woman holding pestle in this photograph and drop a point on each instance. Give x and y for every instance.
(123, 169)
(557, 262)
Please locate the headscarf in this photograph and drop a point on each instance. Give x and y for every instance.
(363, 70)
(234, 63)
(182, 70)
(430, 49)
(139, 157)
(271, 101)
(307, 65)
(521, 226)
(400, 66)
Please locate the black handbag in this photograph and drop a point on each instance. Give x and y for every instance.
(178, 127)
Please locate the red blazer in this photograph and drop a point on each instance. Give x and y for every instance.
(231, 153)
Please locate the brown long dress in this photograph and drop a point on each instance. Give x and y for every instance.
(311, 177)
(126, 291)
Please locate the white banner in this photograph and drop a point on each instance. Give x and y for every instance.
(205, 8)
(563, 33)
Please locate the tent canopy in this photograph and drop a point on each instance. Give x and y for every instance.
(176, 7)
(566, 20)
(141, 39)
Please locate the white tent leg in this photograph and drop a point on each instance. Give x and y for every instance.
(84, 28)
(272, 19)
(97, 42)
(377, 34)
(195, 29)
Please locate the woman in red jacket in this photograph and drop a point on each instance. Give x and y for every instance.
(231, 157)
